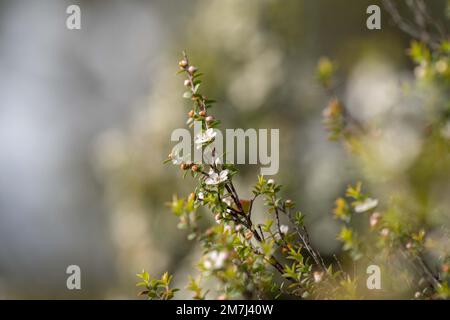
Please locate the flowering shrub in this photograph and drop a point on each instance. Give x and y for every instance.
(395, 232)
(274, 259)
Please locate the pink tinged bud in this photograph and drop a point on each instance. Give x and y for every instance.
(374, 219)
(192, 69)
(187, 83)
(209, 118)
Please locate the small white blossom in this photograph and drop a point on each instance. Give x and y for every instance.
(384, 232)
(227, 201)
(215, 260)
(205, 137)
(318, 276)
(175, 156)
(284, 229)
(367, 205)
(215, 178)
(200, 196)
(270, 181)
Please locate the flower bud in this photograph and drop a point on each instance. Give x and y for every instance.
(184, 166)
(187, 83)
(409, 246)
(191, 114)
(183, 63)
(194, 168)
(248, 235)
(192, 69)
(385, 232)
(209, 119)
(270, 181)
(202, 113)
(446, 267)
(374, 219)
(192, 196)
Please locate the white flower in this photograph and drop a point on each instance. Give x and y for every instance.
(175, 156)
(215, 260)
(384, 232)
(217, 161)
(318, 276)
(200, 196)
(270, 181)
(284, 229)
(205, 137)
(207, 264)
(367, 205)
(214, 178)
(227, 201)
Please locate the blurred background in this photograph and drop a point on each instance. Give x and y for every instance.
(86, 117)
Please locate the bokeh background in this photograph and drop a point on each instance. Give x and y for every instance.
(86, 117)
